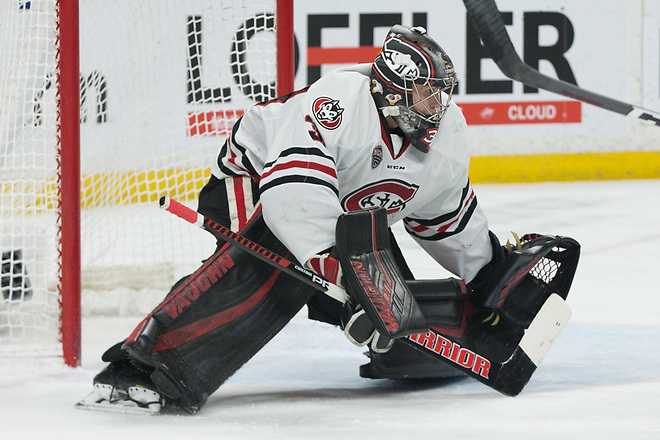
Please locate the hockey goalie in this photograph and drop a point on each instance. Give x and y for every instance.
(319, 176)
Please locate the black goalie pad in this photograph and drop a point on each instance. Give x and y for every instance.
(372, 276)
(213, 321)
(545, 264)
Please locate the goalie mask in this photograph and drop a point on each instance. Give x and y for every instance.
(412, 80)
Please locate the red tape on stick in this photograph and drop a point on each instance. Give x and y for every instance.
(181, 211)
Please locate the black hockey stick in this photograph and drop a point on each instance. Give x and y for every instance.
(511, 376)
(489, 25)
(508, 377)
(226, 234)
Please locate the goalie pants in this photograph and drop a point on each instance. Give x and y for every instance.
(214, 320)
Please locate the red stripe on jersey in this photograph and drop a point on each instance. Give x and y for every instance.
(239, 196)
(303, 165)
(404, 147)
(232, 154)
(422, 228)
(459, 216)
(233, 160)
(385, 136)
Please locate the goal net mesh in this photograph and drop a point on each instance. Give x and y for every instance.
(161, 83)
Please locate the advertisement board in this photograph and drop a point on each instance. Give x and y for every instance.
(582, 42)
(199, 80)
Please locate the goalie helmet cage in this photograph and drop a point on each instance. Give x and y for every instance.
(104, 107)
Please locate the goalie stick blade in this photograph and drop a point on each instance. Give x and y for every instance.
(545, 328)
(511, 376)
(516, 372)
(138, 401)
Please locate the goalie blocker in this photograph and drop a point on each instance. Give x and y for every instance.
(372, 275)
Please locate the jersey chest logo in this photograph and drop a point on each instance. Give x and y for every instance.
(327, 112)
(391, 194)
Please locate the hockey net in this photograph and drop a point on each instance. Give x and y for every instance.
(161, 83)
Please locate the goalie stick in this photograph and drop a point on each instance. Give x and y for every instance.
(508, 377)
(489, 25)
(226, 234)
(511, 376)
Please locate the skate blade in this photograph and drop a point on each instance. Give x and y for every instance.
(105, 398)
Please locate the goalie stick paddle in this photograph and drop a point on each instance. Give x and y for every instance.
(226, 234)
(508, 377)
(511, 376)
(489, 25)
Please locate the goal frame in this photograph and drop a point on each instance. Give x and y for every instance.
(68, 155)
(68, 127)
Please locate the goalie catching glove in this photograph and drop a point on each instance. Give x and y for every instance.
(519, 279)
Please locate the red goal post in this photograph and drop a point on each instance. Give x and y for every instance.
(69, 152)
(103, 103)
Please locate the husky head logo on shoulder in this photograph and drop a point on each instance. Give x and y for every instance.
(327, 112)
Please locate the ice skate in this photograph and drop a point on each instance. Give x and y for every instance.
(124, 388)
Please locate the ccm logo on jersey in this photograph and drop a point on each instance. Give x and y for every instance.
(391, 194)
(327, 112)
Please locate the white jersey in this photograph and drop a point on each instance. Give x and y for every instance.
(326, 149)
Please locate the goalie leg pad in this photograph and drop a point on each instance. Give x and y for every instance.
(216, 320)
(372, 275)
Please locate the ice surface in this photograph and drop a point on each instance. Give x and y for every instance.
(599, 381)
